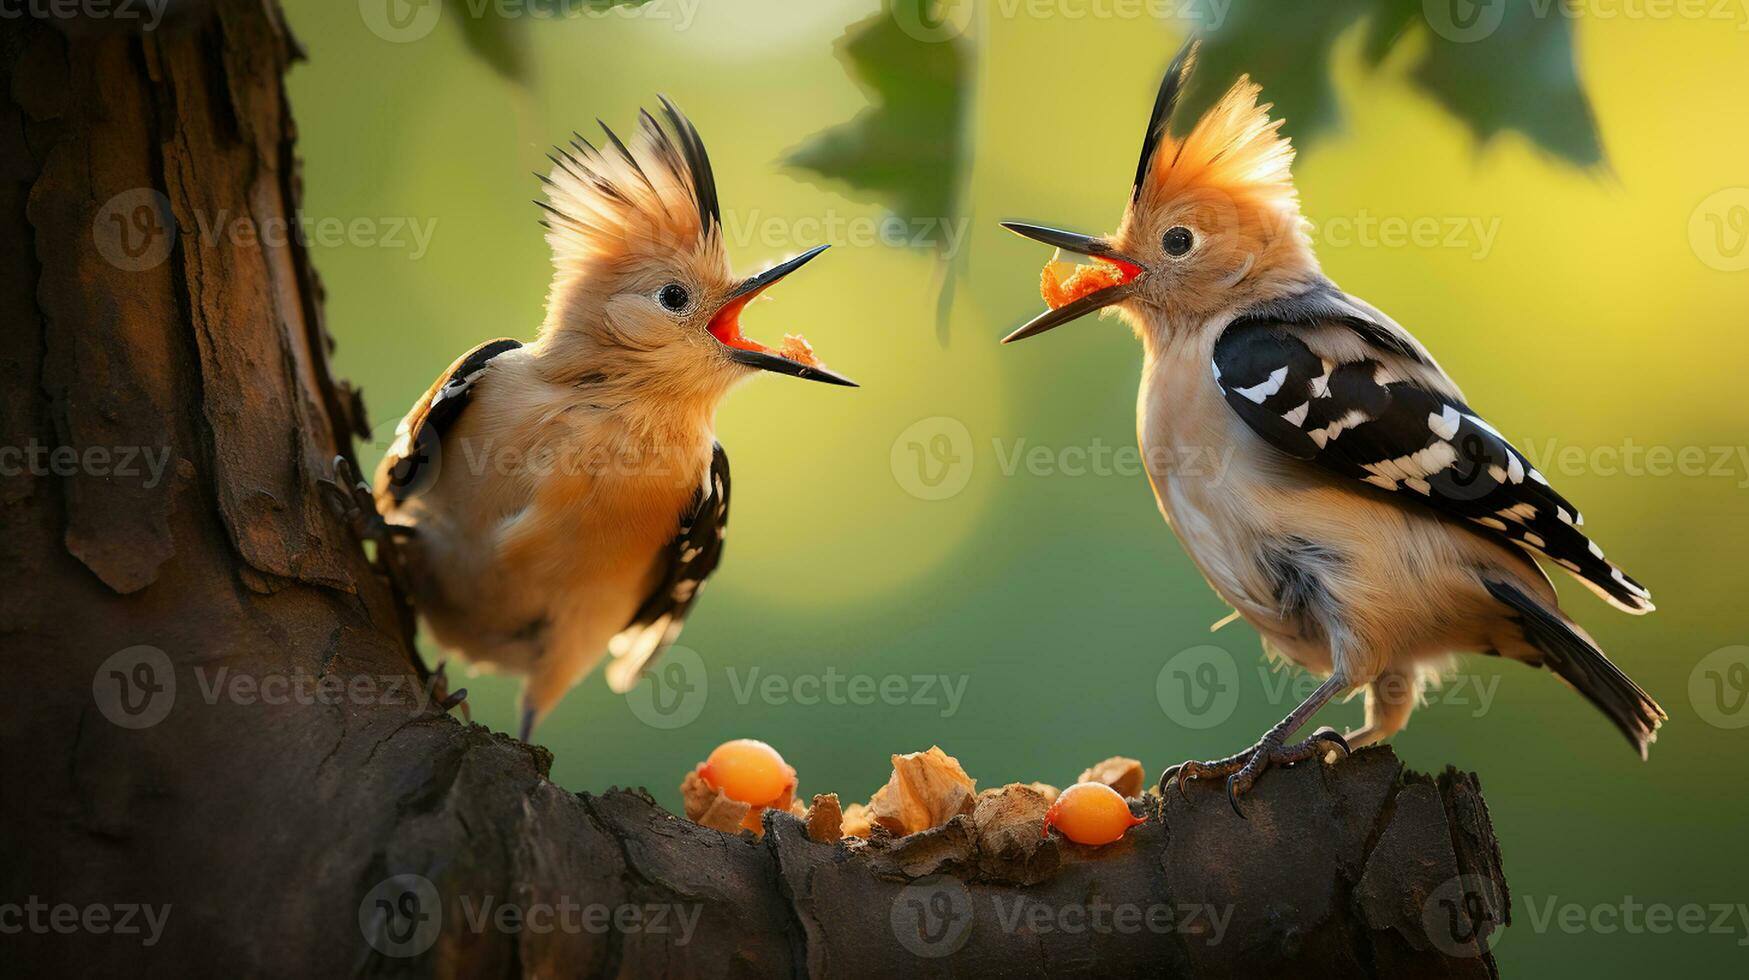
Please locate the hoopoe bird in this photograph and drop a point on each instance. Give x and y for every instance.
(1371, 523)
(547, 503)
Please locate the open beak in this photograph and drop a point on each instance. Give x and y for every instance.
(1098, 248)
(726, 327)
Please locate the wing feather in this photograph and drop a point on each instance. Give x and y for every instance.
(413, 459)
(1395, 422)
(691, 556)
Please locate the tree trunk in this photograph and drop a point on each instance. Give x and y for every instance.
(218, 756)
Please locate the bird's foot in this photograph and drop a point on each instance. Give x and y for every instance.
(445, 699)
(1244, 769)
(352, 501)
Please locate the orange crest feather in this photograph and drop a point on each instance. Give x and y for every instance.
(1235, 149)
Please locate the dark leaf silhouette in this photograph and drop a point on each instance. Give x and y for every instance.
(1494, 65)
(907, 150)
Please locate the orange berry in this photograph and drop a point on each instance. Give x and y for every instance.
(748, 770)
(1090, 813)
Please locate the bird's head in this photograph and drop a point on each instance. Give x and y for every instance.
(1213, 221)
(641, 279)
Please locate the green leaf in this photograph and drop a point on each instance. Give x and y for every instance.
(1521, 76)
(498, 39)
(1496, 65)
(908, 149)
(1285, 47)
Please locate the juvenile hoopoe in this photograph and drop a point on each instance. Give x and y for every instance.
(550, 502)
(1371, 523)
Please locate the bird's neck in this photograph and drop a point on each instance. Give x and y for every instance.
(653, 398)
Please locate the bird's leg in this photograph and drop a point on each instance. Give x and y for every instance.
(446, 700)
(1389, 700)
(1243, 769)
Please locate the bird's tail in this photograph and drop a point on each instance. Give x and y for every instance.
(1576, 659)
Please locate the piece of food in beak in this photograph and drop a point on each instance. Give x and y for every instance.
(1064, 282)
(796, 348)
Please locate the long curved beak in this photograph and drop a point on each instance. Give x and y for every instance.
(726, 327)
(1070, 241)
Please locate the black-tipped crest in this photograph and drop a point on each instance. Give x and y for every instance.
(1171, 89)
(650, 186)
(704, 183)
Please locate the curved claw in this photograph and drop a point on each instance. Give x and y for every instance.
(1233, 797)
(1334, 737)
(1176, 777)
(1170, 774)
(456, 697)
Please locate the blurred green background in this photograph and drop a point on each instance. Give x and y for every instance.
(1593, 312)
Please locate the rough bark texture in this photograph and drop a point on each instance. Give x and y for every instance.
(292, 768)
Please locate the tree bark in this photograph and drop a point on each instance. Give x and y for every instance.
(217, 711)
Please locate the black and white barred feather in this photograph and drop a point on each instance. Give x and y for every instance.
(1376, 419)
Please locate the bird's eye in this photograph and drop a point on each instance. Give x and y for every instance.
(1177, 241)
(674, 297)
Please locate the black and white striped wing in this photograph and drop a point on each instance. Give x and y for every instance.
(692, 555)
(415, 457)
(1371, 419)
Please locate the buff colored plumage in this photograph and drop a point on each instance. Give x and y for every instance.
(548, 503)
(1371, 524)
